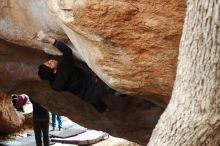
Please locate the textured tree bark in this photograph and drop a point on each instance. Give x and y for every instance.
(192, 117)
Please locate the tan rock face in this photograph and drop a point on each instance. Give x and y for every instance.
(21, 20)
(132, 45)
(18, 64)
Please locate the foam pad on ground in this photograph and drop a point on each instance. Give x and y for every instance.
(67, 133)
(88, 137)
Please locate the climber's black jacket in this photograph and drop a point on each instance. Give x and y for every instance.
(84, 84)
(68, 77)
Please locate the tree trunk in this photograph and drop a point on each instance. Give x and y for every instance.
(192, 117)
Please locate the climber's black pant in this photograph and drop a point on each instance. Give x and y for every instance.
(95, 90)
(39, 128)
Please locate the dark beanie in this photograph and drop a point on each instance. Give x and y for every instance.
(44, 72)
(14, 98)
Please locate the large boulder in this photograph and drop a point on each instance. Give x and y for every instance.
(131, 45)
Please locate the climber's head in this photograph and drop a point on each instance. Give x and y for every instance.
(47, 70)
(52, 64)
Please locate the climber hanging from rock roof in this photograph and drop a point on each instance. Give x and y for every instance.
(63, 75)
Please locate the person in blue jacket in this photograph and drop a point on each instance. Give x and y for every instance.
(63, 75)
